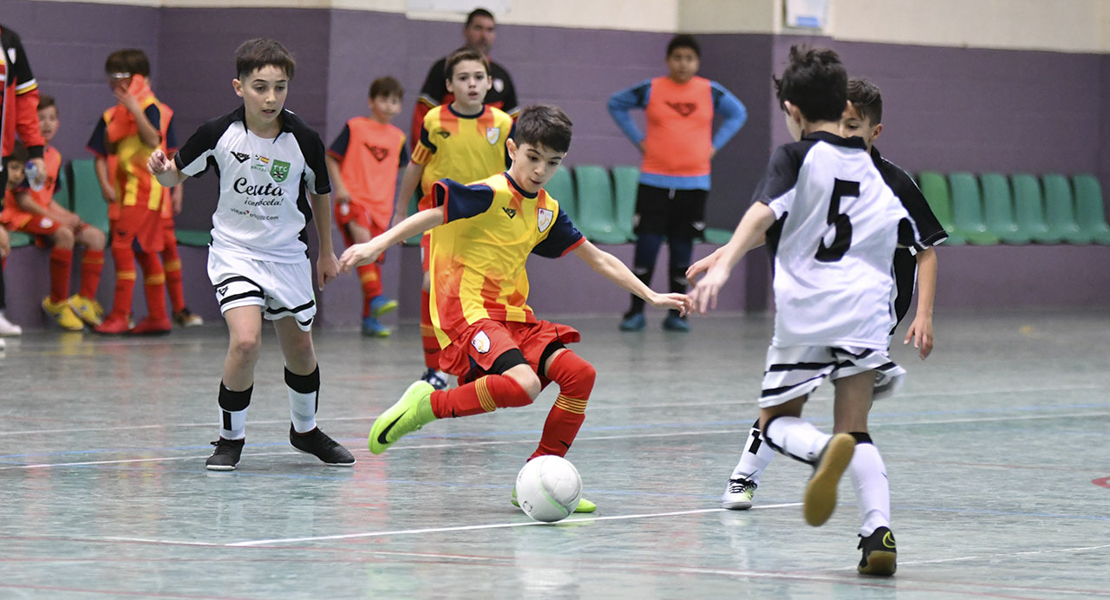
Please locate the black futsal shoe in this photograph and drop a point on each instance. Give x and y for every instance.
(226, 455)
(880, 553)
(318, 444)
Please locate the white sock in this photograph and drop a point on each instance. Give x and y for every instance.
(797, 438)
(755, 458)
(233, 412)
(872, 488)
(304, 391)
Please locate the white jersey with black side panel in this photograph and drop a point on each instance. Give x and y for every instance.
(838, 225)
(263, 211)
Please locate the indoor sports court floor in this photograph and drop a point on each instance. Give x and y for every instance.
(996, 451)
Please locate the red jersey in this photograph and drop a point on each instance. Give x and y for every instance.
(370, 154)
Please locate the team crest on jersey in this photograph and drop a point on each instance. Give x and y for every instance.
(493, 134)
(543, 219)
(378, 152)
(683, 108)
(481, 342)
(279, 170)
(12, 55)
(498, 85)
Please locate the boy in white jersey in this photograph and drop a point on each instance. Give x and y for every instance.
(266, 158)
(914, 265)
(833, 225)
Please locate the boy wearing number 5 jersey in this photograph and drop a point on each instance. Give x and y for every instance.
(833, 225)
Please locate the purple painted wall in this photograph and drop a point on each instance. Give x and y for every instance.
(946, 109)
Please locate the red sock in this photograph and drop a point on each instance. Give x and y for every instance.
(124, 258)
(427, 332)
(172, 263)
(575, 378)
(154, 282)
(60, 263)
(371, 277)
(92, 263)
(482, 395)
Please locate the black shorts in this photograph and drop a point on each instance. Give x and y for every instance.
(676, 214)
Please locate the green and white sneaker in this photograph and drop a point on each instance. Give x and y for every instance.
(584, 505)
(738, 494)
(410, 413)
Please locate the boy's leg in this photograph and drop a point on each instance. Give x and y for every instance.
(744, 480)
(244, 325)
(432, 352)
(92, 263)
(575, 378)
(680, 251)
(651, 224)
(789, 434)
(124, 258)
(868, 473)
(61, 260)
(157, 320)
(171, 261)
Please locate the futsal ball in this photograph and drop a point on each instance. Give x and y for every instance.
(548, 488)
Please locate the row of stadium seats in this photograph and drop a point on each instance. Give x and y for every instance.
(84, 198)
(1017, 209)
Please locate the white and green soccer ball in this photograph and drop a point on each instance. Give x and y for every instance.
(548, 488)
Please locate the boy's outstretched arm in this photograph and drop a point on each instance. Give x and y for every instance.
(921, 330)
(614, 270)
(327, 266)
(164, 169)
(750, 233)
(362, 254)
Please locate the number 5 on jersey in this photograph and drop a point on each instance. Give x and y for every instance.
(843, 239)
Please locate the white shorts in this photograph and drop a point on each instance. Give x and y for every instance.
(794, 371)
(281, 289)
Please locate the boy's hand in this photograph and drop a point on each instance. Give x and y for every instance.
(703, 265)
(109, 195)
(705, 292)
(327, 268)
(342, 195)
(360, 254)
(680, 302)
(159, 163)
(126, 99)
(921, 332)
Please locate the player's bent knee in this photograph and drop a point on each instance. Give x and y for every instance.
(527, 379)
(245, 349)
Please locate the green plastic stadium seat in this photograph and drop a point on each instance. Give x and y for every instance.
(597, 212)
(998, 209)
(967, 209)
(626, 182)
(19, 240)
(561, 187)
(935, 188)
(61, 194)
(1090, 211)
(88, 202)
(717, 236)
(193, 237)
(1059, 210)
(1029, 209)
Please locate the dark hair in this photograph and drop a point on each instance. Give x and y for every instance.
(386, 86)
(46, 101)
(867, 99)
(261, 52)
(683, 40)
(816, 82)
(19, 153)
(478, 12)
(460, 55)
(128, 60)
(544, 125)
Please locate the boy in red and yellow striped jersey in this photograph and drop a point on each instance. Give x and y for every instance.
(464, 141)
(123, 141)
(363, 163)
(484, 233)
(35, 212)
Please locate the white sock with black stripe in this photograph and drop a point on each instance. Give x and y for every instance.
(872, 486)
(233, 412)
(796, 438)
(755, 458)
(304, 393)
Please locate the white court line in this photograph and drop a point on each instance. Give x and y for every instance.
(470, 443)
(752, 402)
(373, 534)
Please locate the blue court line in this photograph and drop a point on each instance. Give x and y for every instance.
(877, 420)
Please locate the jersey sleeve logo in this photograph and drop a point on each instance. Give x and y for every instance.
(279, 170)
(543, 219)
(12, 55)
(683, 108)
(493, 134)
(498, 84)
(481, 342)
